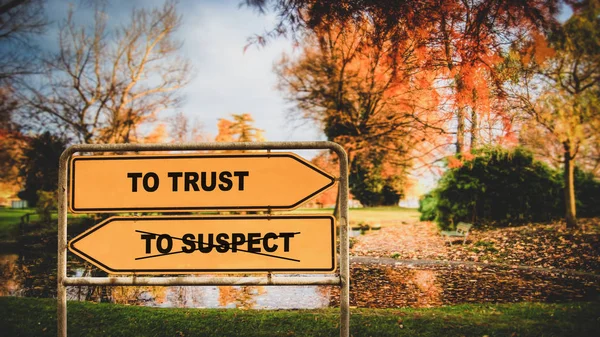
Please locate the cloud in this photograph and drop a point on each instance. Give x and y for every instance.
(229, 80)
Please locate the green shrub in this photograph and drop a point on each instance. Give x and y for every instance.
(496, 186)
(46, 204)
(428, 207)
(500, 187)
(587, 194)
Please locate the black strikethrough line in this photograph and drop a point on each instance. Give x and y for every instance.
(204, 243)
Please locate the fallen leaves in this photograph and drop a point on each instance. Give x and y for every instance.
(496, 266)
(537, 245)
(385, 286)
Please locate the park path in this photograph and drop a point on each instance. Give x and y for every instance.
(409, 264)
(389, 261)
(535, 246)
(407, 240)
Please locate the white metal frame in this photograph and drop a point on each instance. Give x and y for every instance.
(343, 280)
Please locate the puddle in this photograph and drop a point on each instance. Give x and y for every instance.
(34, 275)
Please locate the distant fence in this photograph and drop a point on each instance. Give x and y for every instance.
(26, 218)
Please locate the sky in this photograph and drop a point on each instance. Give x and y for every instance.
(227, 80)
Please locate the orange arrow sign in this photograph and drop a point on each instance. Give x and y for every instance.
(249, 181)
(191, 244)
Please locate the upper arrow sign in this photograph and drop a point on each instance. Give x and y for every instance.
(248, 181)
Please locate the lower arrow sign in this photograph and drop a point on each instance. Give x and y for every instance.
(198, 244)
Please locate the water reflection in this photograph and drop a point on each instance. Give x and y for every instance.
(10, 282)
(241, 297)
(31, 275)
(34, 275)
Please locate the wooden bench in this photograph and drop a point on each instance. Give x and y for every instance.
(462, 230)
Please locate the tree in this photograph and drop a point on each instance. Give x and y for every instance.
(182, 129)
(20, 20)
(375, 105)
(558, 88)
(11, 155)
(462, 40)
(12, 142)
(40, 166)
(101, 86)
(240, 129)
(11, 139)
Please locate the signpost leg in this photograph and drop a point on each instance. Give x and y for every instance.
(344, 244)
(61, 272)
(61, 317)
(345, 281)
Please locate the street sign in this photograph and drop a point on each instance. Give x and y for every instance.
(193, 244)
(183, 182)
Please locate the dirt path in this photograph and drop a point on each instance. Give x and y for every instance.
(536, 263)
(435, 284)
(407, 240)
(388, 261)
(539, 246)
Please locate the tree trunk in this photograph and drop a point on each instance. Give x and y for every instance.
(570, 215)
(474, 127)
(460, 130)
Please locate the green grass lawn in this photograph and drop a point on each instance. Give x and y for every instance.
(10, 219)
(11, 216)
(91, 319)
(371, 215)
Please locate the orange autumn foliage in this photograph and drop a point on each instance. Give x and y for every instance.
(239, 129)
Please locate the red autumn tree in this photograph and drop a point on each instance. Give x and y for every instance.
(462, 40)
(239, 129)
(375, 105)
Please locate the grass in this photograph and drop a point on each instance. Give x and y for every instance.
(371, 215)
(91, 319)
(10, 219)
(11, 216)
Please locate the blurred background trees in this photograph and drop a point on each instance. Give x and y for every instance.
(557, 85)
(498, 73)
(404, 87)
(40, 166)
(100, 86)
(102, 83)
(20, 22)
(240, 128)
(346, 82)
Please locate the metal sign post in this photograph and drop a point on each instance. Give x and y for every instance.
(343, 280)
